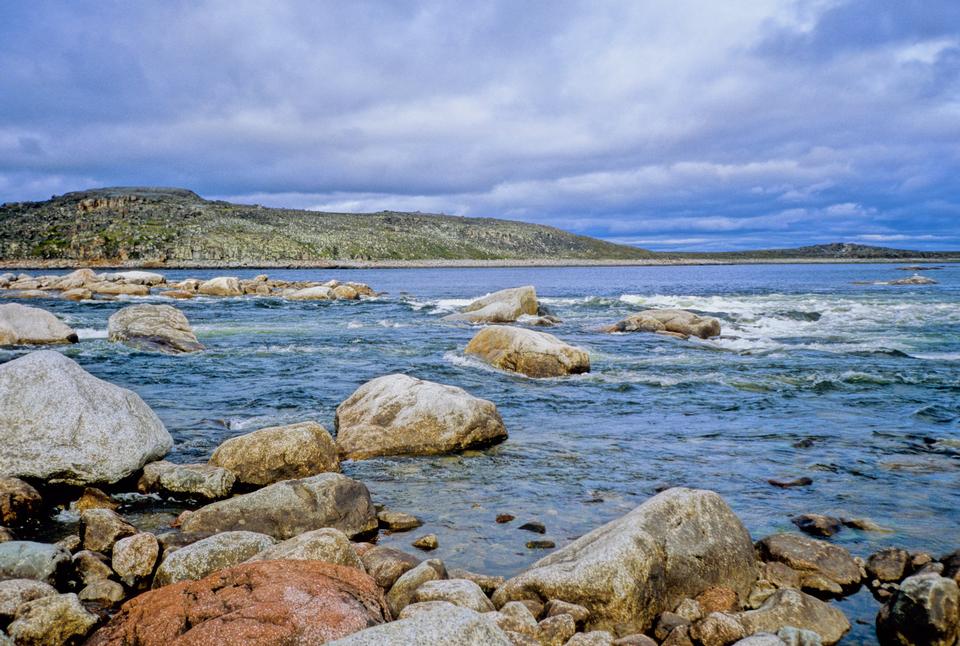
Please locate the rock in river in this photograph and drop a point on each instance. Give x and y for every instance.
(505, 306)
(673, 546)
(221, 286)
(402, 415)
(155, 328)
(672, 321)
(535, 354)
(24, 325)
(291, 507)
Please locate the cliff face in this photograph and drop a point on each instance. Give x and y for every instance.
(176, 226)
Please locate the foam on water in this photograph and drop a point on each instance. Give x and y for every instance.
(90, 333)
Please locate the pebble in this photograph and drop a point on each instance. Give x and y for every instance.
(818, 524)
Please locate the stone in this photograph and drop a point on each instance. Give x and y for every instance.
(93, 498)
(446, 625)
(916, 279)
(52, 621)
(78, 294)
(427, 542)
(63, 425)
(76, 279)
(592, 638)
(676, 321)
(717, 629)
(667, 623)
(19, 501)
(529, 352)
(865, 524)
(318, 293)
(220, 286)
(673, 546)
(402, 591)
(504, 518)
(556, 630)
(504, 306)
(459, 592)
(515, 617)
(278, 453)
(787, 484)
(91, 566)
(267, 602)
(101, 528)
(292, 507)
(345, 293)
(795, 608)
(30, 560)
(24, 325)
(193, 480)
(15, 592)
(397, 521)
(817, 524)
(541, 545)
(401, 415)
(134, 557)
(414, 609)
(103, 592)
(386, 564)
(926, 610)
(823, 567)
(197, 560)
(780, 575)
(678, 637)
(178, 294)
(486, 582)
(327, 544)
(70, 542)
(136, 277)
(690, 610)
(717, 599)
(888, 565)
(534, 526)
(153, 328)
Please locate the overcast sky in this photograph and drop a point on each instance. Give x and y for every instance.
(689, 124)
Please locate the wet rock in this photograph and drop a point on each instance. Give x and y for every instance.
(717, 599)
(318, 293)
(178, 294)
(15, 592)
(328, 544)
(220, 286)
(386, 564)
(278, 453)
(486, 582)
(400, 415)
(444, 626)
(794, 608)
(52, 621)
(532, 353)
(916, 279)
(63, 425)
(817, 524)
(134, 557)
(823, 567)
(153, 328)
(459, 592)
(91, 566)
(680, 322)
(268, 602)
(30, 560)
(674, 546)
(135, 277)
(104, 592)
(197, 560)
(717, 629)
(926, 611)
(402, 591)
(787, 484)
(556, 630)
(18, 501)
(101, 528)
(345, 293)
(194, 480)
(397, 521)
(541, 545)
(292, 507)
(535, 526)
(24, 325)
(888, 565)
(93, 498)
(427, 542)
(504, 306)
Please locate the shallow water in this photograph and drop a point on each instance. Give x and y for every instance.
(870, 375)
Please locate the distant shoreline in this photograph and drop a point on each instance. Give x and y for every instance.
(469, 263)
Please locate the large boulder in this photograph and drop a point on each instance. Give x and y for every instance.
(292, 507)
(63, 425)
(925, 610)
(136, 277)
(679, 322)
(446, 625)
(401, 415)
(155, 328)
(505, 306)
(24, 325)
(278, 453)
(192, 480)
(824, 568)
(268, 602)
(317, 293)
(197, 560)
(221, 286)
(535, 354)
(76, 279)
(29, 560)
(327, 544)
(673, 546)
(794, 608)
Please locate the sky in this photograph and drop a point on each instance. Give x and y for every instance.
(681, 125)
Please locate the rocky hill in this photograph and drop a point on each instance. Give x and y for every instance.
(835, 251)
(164, 226)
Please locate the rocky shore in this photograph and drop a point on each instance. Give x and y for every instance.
(279, 545)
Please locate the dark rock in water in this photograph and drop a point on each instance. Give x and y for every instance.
(926, 610)
(796, 482)
(534, 526)
(397, 521)
(540, 545)
(818, 524)
(824, 568)
(505, 518)
(805, 443)
(888, 565)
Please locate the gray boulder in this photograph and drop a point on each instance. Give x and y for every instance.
(926, 610)
(24, 325)
(446, 625)
(30, 560)
(194, 561)
(197, 480)
(155, 328)
(505, 306)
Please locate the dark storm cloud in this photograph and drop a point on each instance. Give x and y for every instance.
(672, 125)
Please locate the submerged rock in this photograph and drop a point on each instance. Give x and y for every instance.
(402, 415)
(505, 306)
(155, 328)
(673, 546)
(25, 325)
(199, 480)
(673, 321)
(926, 610)
(535, 354)
(197, 560)
(63, 425)
(444, 625)
(817, 524)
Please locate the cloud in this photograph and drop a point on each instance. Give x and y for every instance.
(757, 123)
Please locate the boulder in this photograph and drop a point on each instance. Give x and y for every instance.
(529, 352)
(89, 567)
(397, 521)
(926, 610)
(327, 544)
(76, 279)
(119, 289)
(667, 321)
(15, 592)
(104, 592)
(193, 480)
(488, 583)
(268, 602)
(93, 498)
(134, 557)
(459, 592)
(19, 501)
(402, 591)
(445, 625)
(824, 568)
(345, 293)
(136, 277)
(278, 453)
(888, 565)
(673, 546)
(63, 425)
(178, 294)
(505, 306)
(318, 293)
(386, 564)
(30, 560)
(196, 560)
(101, 528)
(25, 325)
(292, 507)
(52, 621)
(794, 608)
(77, 294)
(401, 415)
(221, 286)
(154, 328)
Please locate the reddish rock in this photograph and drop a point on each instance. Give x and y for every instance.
(265, 602)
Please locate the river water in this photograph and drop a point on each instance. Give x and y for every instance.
(855, 386)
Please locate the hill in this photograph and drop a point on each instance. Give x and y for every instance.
(169, 226)
(834, 251)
